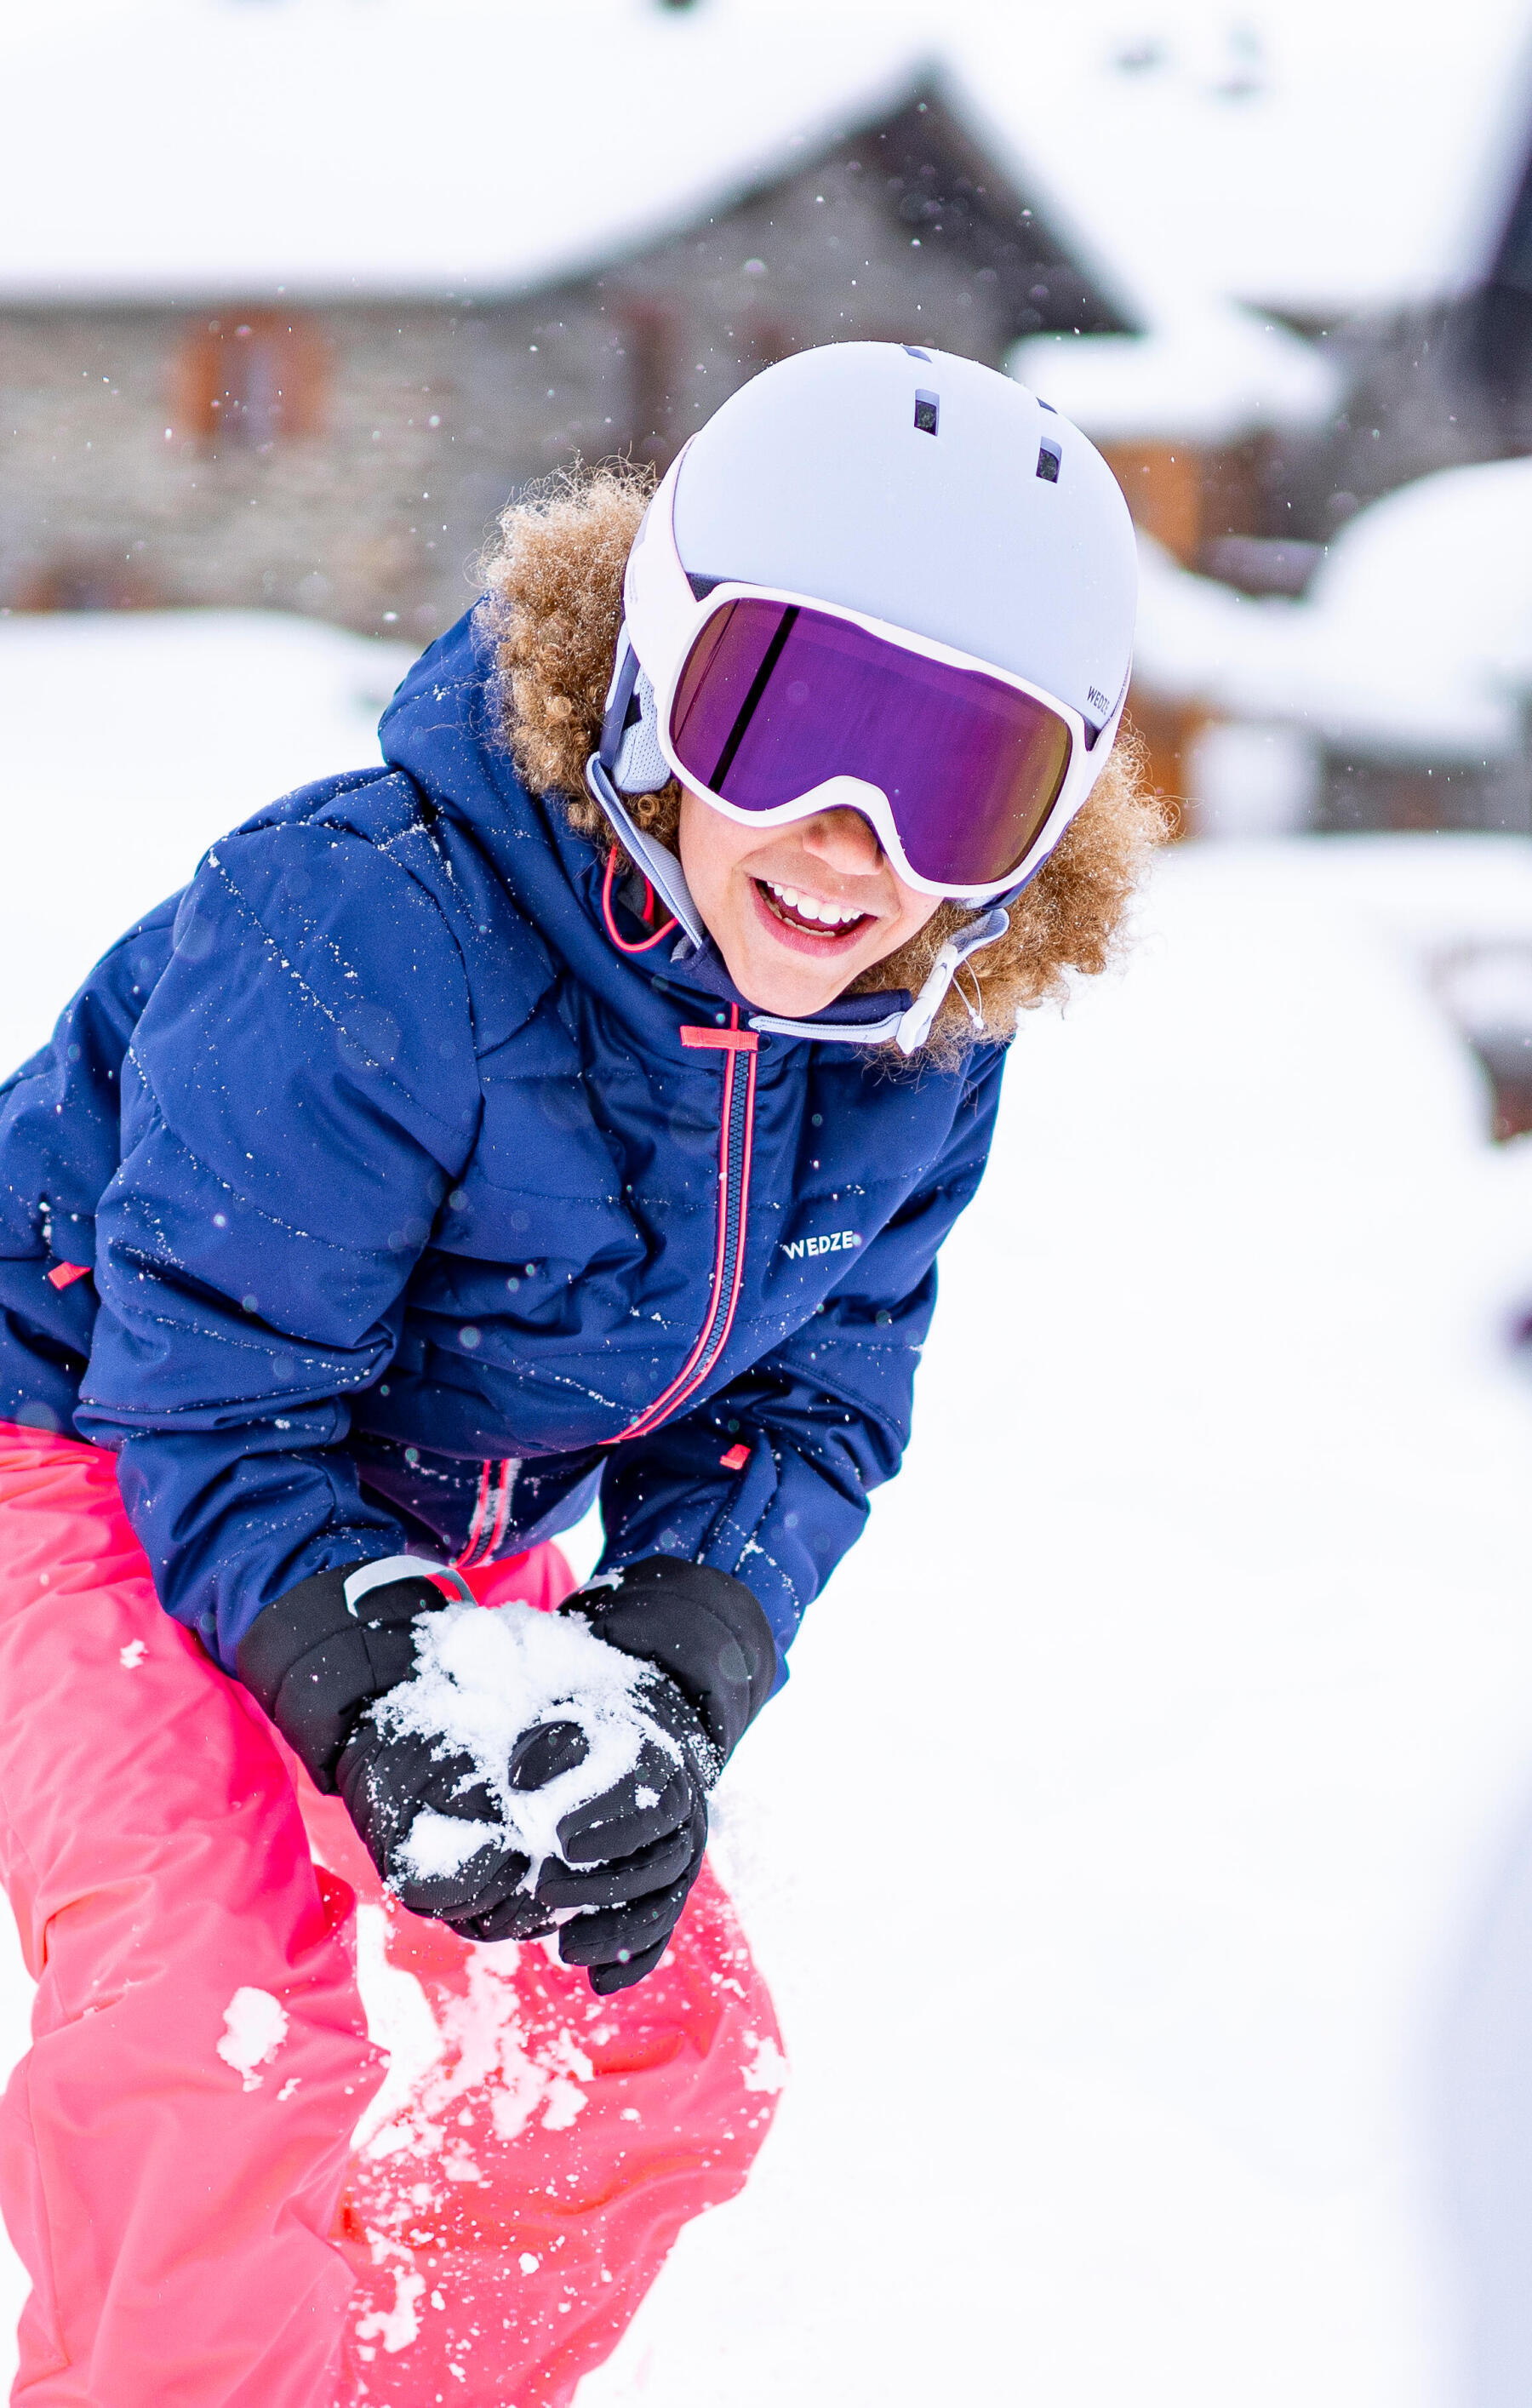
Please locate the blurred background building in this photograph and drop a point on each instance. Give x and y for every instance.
(283, 322)
(335, 435)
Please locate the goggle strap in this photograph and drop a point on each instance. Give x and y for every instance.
(625, 677)
(630, 748)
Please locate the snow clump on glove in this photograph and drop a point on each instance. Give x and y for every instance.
(540, 1719)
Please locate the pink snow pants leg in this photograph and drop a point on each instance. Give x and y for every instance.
(175, 2165)
(519, 2183)
(172, 2208)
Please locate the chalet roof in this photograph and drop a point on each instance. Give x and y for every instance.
(1215, 373)
(160, 147)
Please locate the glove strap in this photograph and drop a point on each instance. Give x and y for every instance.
(391, 1568)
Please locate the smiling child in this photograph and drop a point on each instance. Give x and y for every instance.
(572, 1106)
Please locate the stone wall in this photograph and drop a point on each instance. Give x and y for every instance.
(123, 481)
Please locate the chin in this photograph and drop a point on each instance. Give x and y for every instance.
(791, 996)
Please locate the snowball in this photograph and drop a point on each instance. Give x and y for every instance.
(483, 1677)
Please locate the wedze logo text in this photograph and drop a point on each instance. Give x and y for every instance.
(834, 1241)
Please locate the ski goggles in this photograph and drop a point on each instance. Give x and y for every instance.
(780, 708)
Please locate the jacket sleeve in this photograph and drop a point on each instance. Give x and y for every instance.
(300, 1093)
(824, 1417)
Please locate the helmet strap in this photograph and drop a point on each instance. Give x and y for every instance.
(659, 866)
(915, 1025)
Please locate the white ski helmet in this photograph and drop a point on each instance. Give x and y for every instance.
(951, 567)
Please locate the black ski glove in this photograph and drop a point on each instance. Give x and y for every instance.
(316, 1659)
(319, 1657)
(714, 1662)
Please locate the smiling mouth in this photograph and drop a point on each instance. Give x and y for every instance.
(833, 921)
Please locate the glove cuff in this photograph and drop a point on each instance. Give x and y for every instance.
(316, 1656)
(699, 1625)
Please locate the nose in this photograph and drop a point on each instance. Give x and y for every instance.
(844, 841)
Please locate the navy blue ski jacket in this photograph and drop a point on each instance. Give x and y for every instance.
(415, 1213)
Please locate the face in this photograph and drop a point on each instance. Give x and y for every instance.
(799, 912)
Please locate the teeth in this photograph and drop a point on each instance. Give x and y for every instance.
(830, 915)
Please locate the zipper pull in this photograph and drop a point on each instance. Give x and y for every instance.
(721, 1040)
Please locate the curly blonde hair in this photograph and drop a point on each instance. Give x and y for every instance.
(553, 603)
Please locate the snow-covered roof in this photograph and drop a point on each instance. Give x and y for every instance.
(1415, 639)
(183, 146)
(379, 146)
(1214, 375)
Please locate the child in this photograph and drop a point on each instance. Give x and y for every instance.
(573, 1105)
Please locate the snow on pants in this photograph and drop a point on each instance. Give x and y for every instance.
(220, 2200)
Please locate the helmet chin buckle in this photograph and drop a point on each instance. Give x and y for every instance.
(915, 1025)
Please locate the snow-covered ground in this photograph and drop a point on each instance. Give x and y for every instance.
(1141, 1853)
(127, 743)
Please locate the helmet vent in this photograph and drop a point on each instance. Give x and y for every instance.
(927, 412)
(1049, 457)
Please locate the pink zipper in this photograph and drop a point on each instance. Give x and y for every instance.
(740, 1048)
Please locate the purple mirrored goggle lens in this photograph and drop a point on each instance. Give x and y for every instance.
(775, 698)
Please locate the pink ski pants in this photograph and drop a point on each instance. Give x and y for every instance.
(220, 2201)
